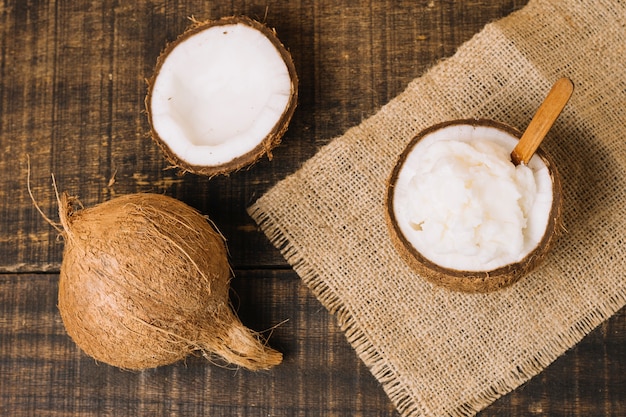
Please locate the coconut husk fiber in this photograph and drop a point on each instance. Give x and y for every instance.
(442, 353)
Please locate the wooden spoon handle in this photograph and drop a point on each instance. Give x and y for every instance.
(542, 121)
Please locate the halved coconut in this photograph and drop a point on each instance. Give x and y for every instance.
(462, 215)
(222, 96)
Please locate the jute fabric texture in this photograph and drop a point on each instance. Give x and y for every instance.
(443, 353)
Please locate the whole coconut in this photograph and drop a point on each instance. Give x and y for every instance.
(144, 282)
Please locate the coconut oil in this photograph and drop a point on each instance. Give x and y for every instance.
(464, 205)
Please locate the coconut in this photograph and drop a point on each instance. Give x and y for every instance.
(222, 96)
(462, 224)
(145, 282)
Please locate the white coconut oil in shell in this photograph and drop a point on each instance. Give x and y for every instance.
(464, 205)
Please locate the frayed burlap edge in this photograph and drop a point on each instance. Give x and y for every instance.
(402, 399)
(381, 370)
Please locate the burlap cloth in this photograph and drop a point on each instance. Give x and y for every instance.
(441, 353)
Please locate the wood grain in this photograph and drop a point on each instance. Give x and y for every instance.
(72, 85)
(44, 373)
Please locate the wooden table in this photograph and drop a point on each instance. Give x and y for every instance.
(72, 85)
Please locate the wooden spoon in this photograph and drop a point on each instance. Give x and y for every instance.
(542, 121)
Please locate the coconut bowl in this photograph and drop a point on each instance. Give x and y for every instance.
(222, 96)
(476, 280)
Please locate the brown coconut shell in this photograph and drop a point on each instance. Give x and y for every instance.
(474, 281)
(145, 282)
(268, 143)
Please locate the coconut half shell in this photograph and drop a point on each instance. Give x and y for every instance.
(473, 281)
(222, 96)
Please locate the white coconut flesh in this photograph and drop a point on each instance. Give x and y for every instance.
(463, 205)
(219, 93)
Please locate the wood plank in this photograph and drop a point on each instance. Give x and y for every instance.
(44, 373)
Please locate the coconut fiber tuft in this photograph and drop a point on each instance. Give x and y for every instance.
(442, 353)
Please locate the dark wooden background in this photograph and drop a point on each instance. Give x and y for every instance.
(72, 85)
